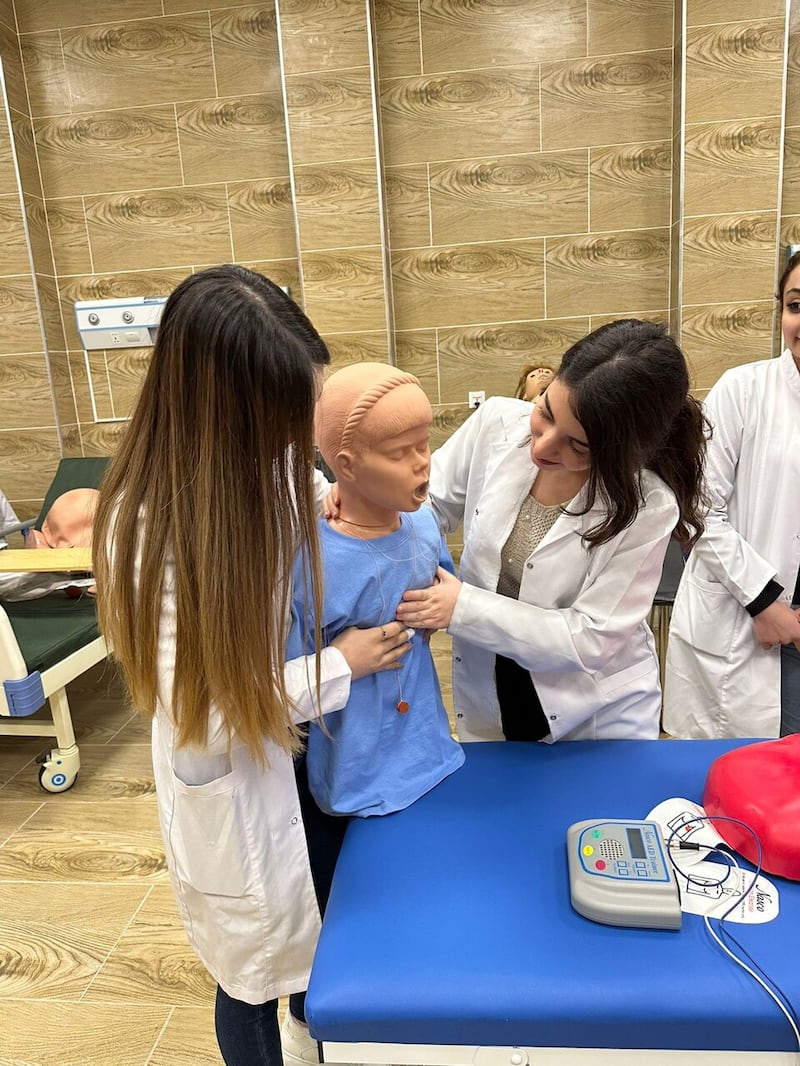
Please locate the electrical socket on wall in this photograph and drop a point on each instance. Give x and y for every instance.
(477, 398)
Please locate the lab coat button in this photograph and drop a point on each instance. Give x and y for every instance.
(529, 566)
(294, 821)
(457, 658)
(553, 717)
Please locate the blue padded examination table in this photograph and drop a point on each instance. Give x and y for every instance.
(450, 938)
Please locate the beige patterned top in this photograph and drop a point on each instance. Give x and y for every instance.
(532, 524)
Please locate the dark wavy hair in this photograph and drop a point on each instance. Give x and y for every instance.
(790, 265)
(629, 389)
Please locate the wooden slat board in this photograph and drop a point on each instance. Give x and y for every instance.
(44, 560)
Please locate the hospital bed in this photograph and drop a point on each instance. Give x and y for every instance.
(449, 938)
(47, 642)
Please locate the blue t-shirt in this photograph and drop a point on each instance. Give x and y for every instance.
(376, 759)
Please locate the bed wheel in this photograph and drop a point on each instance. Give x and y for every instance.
(59, 771)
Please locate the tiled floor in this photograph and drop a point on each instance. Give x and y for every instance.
(95, 969)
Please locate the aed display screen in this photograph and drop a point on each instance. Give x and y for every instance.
(636, 843)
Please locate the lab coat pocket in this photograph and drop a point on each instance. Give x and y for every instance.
(636, 678)
(706, 617)
(206, 834)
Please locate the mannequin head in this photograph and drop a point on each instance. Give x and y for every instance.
(373, 430)
(68, 523)
(533, 380)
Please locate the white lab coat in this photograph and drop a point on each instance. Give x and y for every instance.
(7, 517)
(719, 682)
(234, 836)
(579, 624)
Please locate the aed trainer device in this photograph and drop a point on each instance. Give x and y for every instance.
(619, 874)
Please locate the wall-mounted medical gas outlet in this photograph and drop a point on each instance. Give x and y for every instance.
(125, 323)
(477, 398)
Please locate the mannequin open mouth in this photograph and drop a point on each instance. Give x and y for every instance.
(421, 491)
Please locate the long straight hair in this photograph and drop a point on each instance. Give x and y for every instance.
(213, 486)
(629, 387)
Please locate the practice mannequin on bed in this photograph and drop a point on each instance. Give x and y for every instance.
(68, 524)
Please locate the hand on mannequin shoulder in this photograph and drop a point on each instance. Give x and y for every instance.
(331, 502)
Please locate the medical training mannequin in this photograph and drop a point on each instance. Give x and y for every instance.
(67, 524)
(533, 380)
(733, 658)
(391, 742)
(202, 511)
(567, 509)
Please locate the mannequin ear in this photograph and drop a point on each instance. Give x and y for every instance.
(346, 466)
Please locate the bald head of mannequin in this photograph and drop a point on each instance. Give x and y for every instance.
(373, 429)
(68, 523)
(362, 405)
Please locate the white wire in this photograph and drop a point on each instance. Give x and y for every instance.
(740, 962)
(742, 896)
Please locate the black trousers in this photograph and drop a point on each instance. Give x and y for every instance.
(521, 714)
(324, 837)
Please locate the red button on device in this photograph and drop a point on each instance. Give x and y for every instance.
(600, 865)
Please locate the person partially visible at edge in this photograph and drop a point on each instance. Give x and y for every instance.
(8, 518)
(202, 511)
(567, 509)
(733, 657)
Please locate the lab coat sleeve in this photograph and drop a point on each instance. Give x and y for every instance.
(301, 684)
(321, 487)
(614, 599)
(445, 558)
(727, 556)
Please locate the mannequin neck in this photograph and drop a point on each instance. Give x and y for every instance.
(362, 518)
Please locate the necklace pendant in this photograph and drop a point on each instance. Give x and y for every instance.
(402, 706)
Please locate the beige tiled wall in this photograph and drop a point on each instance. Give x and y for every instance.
(29, 434)
(735, 61)
(527, 157)
(158, 132)
(469, 187)
(333, 122)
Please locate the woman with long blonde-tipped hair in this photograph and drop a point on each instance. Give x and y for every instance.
(202, 512)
